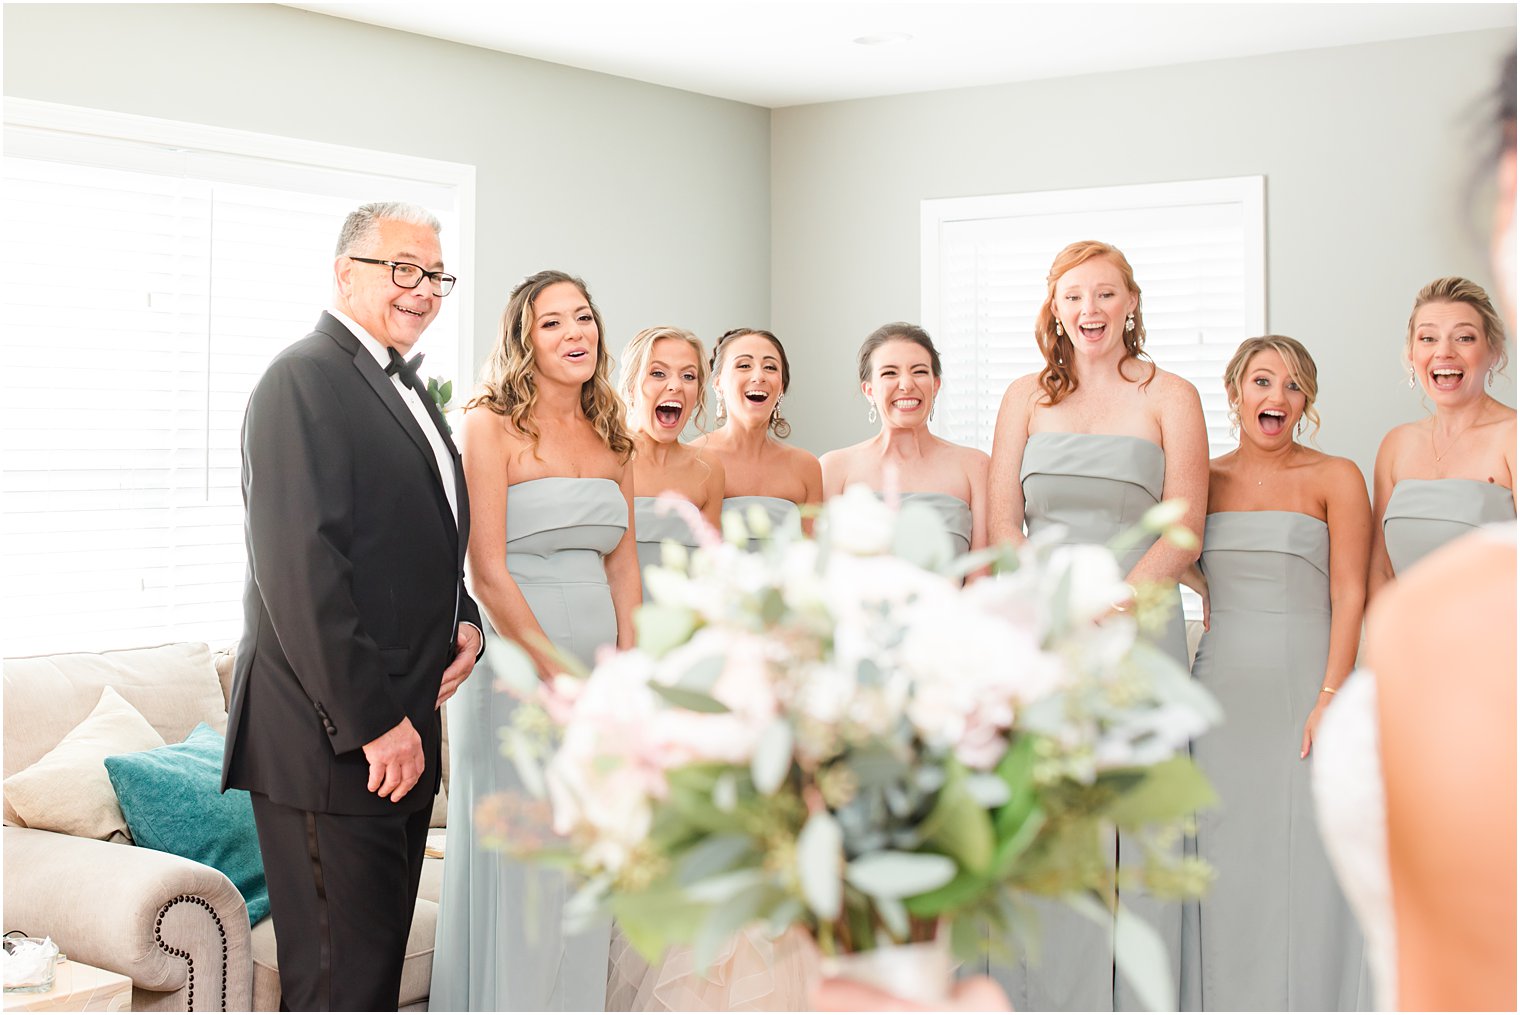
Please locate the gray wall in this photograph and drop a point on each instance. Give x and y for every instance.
(639, 189)
(664, 200)
(1367, 152)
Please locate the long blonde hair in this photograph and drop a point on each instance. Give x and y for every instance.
(1059, 378)
(636, 357)
(511, 385)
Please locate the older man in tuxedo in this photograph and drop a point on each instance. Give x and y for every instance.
(357, 624)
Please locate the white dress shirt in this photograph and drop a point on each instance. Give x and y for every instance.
(413, 402)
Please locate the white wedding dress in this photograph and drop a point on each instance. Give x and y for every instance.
(753, 972)
(1352, 810)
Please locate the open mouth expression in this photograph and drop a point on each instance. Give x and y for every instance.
(1271, 397)
(1092, 303)
(1450, 353)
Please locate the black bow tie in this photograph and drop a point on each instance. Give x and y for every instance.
(407, 368)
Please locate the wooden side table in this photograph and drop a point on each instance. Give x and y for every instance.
(78, 987)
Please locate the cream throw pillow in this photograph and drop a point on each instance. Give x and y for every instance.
(67, 790)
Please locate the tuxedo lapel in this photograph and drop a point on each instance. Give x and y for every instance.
(375, 376)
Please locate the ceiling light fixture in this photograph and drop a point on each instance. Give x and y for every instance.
(883, 39)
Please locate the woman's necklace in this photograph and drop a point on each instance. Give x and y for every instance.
(1442, 454)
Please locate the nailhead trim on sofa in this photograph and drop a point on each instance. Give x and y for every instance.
(158, 926)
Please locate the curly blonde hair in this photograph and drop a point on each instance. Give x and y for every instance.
(1059, 378)
(636, 356)
(1301, 371)
(510, 384)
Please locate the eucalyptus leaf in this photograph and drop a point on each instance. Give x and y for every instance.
(721, 888)
(692, 701)
(962, 890)
(773, 757)
(725, 794)
(525, 759)
(1020, 839)
(1142, 958)
(959, 826)
(898, 875)
(820, 859)
(660, 628)
(893, 914)
(1169, 790)
(711, 856)
(1138, 952)
(653, 920)
(1016, 769)
(1060, 601)
(702, 675)
(512, 666)
(987, 790)
(967, 563)
(446, 391)
(920, 537)
(724, 921)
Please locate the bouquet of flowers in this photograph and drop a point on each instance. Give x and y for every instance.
(838, 733)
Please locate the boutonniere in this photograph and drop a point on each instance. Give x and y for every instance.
(441, 392)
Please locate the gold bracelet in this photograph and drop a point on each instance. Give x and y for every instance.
(1327, 687)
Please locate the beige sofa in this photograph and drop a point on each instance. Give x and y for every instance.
(178, 928)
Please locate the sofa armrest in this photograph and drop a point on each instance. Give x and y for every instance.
(171, 924)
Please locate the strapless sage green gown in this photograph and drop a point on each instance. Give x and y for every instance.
(779, 510)
(954, 512)
(1424, 514)
(1097, 486)
(1277, 934)
(652, 528)
(499, 944)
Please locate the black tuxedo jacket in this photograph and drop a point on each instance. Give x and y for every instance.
(355, 580)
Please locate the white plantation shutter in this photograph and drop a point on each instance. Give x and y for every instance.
(146, 286)
(1198, 254)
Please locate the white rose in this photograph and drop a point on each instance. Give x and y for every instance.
(1095, 583)
(859, 522)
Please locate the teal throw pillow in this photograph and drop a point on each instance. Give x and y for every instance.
(172, 802)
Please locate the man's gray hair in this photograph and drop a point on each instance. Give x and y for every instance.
(363, 223)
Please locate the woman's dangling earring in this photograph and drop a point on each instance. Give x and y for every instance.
(1059, 332)
(1300, 426)
(1129, 323)
(1234, 423)
(1411, 378)
(1490, 377)
(871, 416)
(719, 409)
(931, 407)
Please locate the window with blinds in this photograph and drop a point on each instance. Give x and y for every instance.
(151, 272)
(1198, 250)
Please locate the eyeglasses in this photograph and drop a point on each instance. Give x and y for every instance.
(410, 276)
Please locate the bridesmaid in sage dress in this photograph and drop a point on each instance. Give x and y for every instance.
(1091, 442)
(900, 378)
(663, 381)
(750, 375)
(552, 563)
(1285, 546)
(1454, 470)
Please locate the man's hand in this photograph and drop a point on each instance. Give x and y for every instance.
(395, 761)
(468, 643)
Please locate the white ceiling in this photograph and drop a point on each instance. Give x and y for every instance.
(783, 52)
